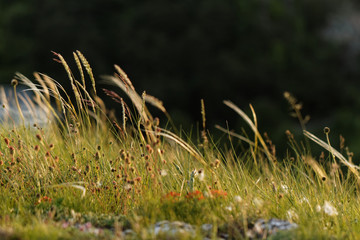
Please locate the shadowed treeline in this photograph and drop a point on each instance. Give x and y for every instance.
(249, 51)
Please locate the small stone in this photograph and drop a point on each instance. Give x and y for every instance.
(129, 232)
(206, 228)
(270, 227)
(173, 228)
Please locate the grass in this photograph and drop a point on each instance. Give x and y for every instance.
(86, 175)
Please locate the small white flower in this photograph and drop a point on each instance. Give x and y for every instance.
(73, 213)
(285, 188)
(163, 172)
(237, 199)
(127, 187)
(304, 200)
(201, 175)
(229, 208)
(329, 209)
(258, 202)
(291, 215)
(207, 195)
(318, 208)
(194, 173)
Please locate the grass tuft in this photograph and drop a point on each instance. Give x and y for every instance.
(86, 175)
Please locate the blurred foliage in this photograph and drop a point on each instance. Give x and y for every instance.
(17, 38)
(182, 51)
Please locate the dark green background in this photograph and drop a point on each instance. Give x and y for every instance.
(248, 51)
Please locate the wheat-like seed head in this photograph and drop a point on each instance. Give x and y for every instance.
(77, 60)
(88, 69)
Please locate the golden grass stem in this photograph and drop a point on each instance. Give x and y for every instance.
(182, 143)
(253, 128)
(353, 168)
(18, 104)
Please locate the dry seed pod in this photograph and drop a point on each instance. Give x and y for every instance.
(14, 82)
(326, 130)
(38, 136)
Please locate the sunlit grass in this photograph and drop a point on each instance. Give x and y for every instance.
(83, 167)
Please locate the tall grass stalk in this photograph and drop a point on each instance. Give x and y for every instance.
(83, 167)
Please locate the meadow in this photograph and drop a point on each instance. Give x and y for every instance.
(87, 174)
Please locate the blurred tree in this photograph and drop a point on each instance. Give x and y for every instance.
(16, 37)
(181, 51)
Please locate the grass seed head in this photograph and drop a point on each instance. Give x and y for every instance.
(12, 150)
(122, 154)
(216, 163)
(156, 122)
(147, 123)
(149, 149)
(20, 145)
(131, 182)
(14, 82)
(326, 130)
(38, 136)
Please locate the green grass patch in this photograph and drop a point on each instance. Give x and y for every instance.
(86, 175)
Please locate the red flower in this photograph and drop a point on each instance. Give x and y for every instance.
(174, 196)
(195, 195)
(46, 199)
(43, 199)
(218, 193)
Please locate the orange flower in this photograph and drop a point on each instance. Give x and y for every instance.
(195, 195)
(218, 193)
(46, 199)
(173, 196)
(43, 199)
